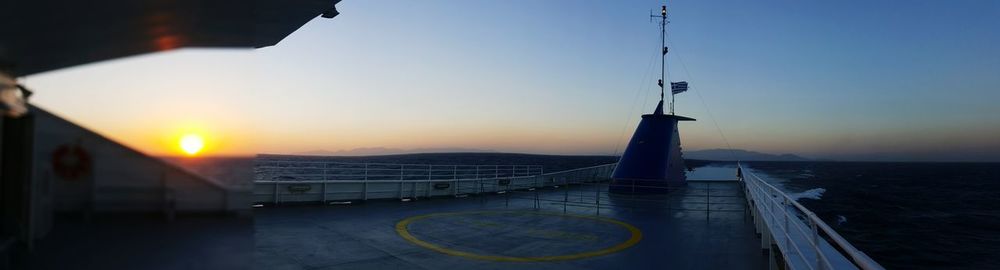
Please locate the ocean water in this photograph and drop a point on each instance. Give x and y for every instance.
(903, 215)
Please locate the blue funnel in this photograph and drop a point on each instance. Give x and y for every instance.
(652, 161)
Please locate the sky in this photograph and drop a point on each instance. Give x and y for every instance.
(846, 80)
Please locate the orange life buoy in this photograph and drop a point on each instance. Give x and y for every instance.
(71, 161)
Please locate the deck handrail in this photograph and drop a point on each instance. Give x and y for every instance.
(269, 189)
(770, 196)
(291, 170)
(430, 180)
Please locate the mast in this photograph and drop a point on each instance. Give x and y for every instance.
(663, 57)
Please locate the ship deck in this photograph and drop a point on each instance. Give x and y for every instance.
(701, 226)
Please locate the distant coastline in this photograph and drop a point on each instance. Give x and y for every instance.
(739, 155)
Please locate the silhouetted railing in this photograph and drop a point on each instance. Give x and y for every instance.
(297, 170)
(307, 184)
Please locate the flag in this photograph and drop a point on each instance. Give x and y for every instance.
(678, 87)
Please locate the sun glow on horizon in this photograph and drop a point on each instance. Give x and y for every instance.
(192, 144)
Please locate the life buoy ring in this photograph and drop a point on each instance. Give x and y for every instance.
(71, 161)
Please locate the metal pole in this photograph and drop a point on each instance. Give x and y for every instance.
(565, 194)
(788, 238)
(815, 242)
(663, 57)
(536, 192)
(708, 200)
(506, 195)
(597, 190)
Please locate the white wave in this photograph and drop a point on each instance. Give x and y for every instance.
(815, 194)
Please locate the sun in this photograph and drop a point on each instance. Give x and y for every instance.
(192, 144)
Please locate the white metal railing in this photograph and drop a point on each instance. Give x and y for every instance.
(299, 170)
(285, 190)
(800, 235)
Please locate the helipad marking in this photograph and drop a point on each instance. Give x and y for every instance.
(403, 231)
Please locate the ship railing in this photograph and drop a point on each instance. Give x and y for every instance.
(312, 191)
(298, 170)
(594, 195)
(804, 240)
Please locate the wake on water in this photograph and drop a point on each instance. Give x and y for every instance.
(815, 194)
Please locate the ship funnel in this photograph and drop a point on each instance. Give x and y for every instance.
(652, 161)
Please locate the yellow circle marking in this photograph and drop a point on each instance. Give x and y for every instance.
(403, 231)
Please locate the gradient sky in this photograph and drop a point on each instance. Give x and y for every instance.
(853, 80)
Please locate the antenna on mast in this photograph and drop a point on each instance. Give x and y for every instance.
(663, 57)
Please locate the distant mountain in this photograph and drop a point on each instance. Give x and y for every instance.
(381, 151)
(737, 154)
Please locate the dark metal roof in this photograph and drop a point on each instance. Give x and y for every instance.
(43, 35)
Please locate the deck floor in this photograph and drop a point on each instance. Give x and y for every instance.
(701, 226)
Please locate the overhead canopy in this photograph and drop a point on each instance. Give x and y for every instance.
(42, 35)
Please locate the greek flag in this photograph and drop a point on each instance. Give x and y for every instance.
(678, 87)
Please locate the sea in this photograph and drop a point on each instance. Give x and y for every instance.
(903, 215)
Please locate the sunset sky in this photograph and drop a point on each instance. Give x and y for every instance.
(850, 80)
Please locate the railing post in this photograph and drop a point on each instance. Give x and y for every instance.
(597, 197)
(506, 192)
(536, 192)
(708, 199)
(324, 191)
(815, 242)
(454, 172)
(366, 171)
(430, 171)
(276, 192)
(364, 195)
(565, 194)
(788, 237)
